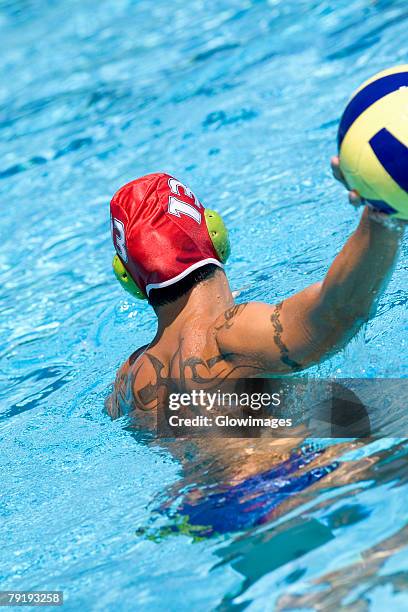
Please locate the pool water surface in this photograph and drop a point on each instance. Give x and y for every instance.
(240, 100)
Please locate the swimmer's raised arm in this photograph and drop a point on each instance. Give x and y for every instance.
(322, 318)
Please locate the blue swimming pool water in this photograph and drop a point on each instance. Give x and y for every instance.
(239, 99)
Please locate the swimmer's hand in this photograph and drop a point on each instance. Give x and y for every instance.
(354, 197)
(356, 200)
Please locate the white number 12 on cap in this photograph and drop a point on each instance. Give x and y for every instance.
(179, 207)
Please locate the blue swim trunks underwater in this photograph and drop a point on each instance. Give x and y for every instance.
(250, 503)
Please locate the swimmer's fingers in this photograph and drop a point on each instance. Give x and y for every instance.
(354, 198)
(337, 173)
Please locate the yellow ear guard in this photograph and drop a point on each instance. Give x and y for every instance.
(218, 234)
(126, 280)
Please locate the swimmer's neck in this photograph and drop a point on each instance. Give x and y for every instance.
(204, 302)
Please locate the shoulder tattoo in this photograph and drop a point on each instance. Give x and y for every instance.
(230, 315)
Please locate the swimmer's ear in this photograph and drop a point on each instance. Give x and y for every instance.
(126, 280)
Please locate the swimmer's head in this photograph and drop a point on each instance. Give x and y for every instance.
(163, 236)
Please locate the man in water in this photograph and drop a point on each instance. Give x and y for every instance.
(171, 250)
